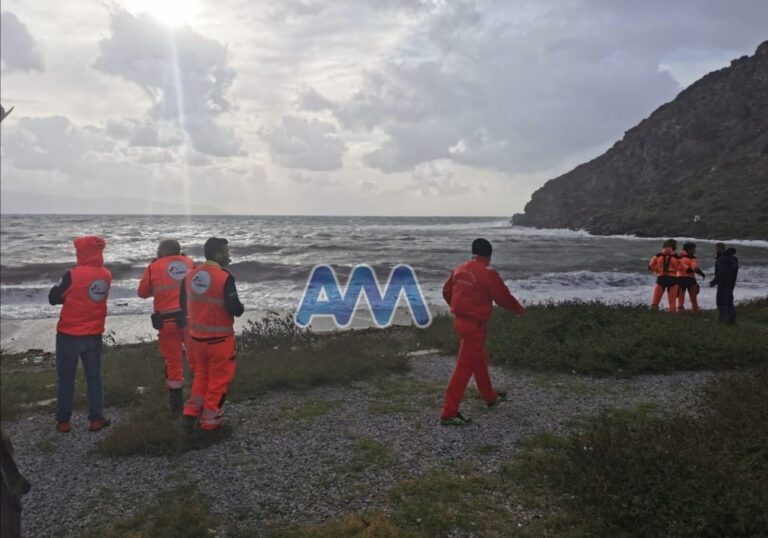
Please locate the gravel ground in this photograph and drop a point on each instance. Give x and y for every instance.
(280, 468)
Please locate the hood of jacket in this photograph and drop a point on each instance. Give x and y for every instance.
(89, 250)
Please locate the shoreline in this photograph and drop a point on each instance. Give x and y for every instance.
(23, 335)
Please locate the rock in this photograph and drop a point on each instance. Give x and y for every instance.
(704, 154)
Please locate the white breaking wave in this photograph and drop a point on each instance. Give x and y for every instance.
(564, 232)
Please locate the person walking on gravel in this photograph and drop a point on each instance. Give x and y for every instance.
(470, 291)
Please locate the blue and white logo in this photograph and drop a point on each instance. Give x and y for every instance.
(201, 282)
(177, 270)
(98, 289)
(323, 296)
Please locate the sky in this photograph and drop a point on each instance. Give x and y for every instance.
(336, 107)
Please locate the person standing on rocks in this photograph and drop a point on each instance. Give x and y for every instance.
(470, 291)
(726, 272)
(209, 298)
(665, 265)
(83, 292)
(162, 280)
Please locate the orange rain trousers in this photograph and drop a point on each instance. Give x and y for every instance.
(473, 360)
(173, 344)
(214, 362)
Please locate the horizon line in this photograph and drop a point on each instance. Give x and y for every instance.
(133, 214)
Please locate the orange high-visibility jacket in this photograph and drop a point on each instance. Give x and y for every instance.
(665, 263)
(85, 300)
(687, 266)
(204, 290)
(162, 280)
(473, 287)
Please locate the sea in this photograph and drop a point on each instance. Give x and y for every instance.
(272, 257)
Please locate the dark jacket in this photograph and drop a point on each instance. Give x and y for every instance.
(726, 269)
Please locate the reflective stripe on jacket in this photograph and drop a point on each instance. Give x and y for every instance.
(162, 281)
(204, 287)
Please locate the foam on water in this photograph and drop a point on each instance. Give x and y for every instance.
(273, 257)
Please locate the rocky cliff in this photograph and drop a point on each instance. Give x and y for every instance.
(698, 166)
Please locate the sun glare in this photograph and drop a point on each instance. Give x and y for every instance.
(168, 12)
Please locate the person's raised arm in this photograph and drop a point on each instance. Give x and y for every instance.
(56, 295)
(501, 295)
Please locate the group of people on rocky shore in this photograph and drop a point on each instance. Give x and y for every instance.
(676, 276)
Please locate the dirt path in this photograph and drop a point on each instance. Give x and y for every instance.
(303, 457)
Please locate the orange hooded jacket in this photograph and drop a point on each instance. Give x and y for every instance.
(85, 299)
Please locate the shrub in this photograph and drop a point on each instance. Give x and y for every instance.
(600, 339)
(629, 473)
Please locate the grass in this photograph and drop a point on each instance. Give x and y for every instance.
(585, 338)
(626, 473)
(398, 394)
(368, 453)
(150, 430)
(599, 339)
(308, 410)
(298, 363)
(124, 368)
(181, 513)
(675, 476)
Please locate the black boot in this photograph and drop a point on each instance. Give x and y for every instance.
(176, 401)
(188, 424)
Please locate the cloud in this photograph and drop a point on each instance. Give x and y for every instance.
(310, 144)
(523, 87)
(432, 180)
(54, 143)
(186, 75)
(18, 48)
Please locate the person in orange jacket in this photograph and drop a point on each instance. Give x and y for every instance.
(209, 299)
(665, 265)
(686, 278)
(162, 280)
(83, 292)
(470, 291)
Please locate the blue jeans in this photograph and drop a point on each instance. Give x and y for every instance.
(68, 350)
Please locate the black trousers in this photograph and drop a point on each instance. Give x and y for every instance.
(725, 306)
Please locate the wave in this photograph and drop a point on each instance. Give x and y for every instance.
(566, 232)
(52, 272)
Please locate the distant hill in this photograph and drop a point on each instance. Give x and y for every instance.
(698, 166)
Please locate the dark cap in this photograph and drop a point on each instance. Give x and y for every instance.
(482, 247)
